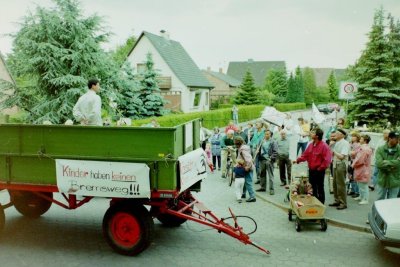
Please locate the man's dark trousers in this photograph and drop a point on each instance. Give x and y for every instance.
(316, 179)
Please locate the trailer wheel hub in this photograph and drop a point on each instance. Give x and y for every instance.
(125, 229)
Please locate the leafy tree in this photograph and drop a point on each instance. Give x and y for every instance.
(153, 102)
(333, 86)
(276, 83)
(247, 93)
(374, 72)
(54, 53)
(322, 95)
(309, 85)
(121, 52)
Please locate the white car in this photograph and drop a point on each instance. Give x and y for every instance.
(384, 220)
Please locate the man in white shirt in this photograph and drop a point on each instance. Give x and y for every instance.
(87, 110)
(341, 152)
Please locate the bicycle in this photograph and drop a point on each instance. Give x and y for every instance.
(229, 166)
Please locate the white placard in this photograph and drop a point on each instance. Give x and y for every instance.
(103, 179)
(347, 90)
(193, 168)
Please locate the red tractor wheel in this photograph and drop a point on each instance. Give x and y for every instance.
(128, 229)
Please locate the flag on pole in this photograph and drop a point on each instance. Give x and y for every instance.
(316, 115)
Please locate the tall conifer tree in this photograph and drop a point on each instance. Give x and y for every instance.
(374, 73)
(247, 93)
(150, 93)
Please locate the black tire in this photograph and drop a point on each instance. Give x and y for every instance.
(2, 219)
(290, 215)
(166, 219)
(297, 225)
(324, 225)
(29, 204)
(128, 228)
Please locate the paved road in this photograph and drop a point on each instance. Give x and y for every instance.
(74, 238)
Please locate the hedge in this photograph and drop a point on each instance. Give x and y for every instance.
(212, 118)
(219, 117)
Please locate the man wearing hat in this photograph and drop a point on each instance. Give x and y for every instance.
(341, 152)
(388, 164)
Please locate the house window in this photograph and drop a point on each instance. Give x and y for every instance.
(141, 68)
(197, 98)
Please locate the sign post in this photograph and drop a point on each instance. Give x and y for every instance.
(347, 91)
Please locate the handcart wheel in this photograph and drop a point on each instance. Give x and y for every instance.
(29, 204)
(128, 228)
(297, 225)
(290, 214)
(324, 225)
(2, 218)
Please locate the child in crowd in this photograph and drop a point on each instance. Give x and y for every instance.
(239, 173)
(208, 151)
(302, 187)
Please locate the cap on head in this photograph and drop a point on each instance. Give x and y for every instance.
(341, 131)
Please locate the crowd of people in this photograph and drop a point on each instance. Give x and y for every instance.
(255, 150)
(340, 156)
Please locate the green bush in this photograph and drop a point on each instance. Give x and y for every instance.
(20, 117)
(289, 106)
(219, 117)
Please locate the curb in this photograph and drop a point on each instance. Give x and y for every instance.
(331, 221)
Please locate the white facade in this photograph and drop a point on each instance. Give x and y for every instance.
(139, 56)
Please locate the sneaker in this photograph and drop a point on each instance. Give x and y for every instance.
(371, 187)
(239, 201)
(351, 193)
(271, 192)
(243, 196)
(257, 182)
(364, 202)
(341, 207)
(357, 198)
(355, 195)
(335, 204)
(260, 190)
(252, 199)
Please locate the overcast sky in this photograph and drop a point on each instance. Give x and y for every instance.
(314, 33)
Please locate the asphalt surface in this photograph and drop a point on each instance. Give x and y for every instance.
(74, 238)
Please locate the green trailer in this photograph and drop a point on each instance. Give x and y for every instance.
(134, 167)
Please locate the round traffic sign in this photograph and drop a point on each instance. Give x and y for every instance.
(349, 88)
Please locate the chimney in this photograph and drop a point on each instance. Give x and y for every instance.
(221, 70)
(208, 69)
(164, 34)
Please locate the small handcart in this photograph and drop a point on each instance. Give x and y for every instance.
(307, 209)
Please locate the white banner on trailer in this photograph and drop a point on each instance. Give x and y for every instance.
(103, 179)
(193, 168)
